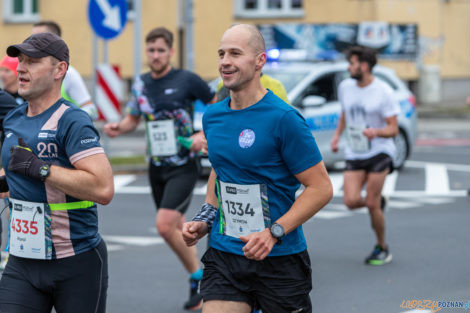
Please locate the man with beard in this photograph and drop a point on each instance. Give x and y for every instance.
(261, 150)
(369, 116)
(165, 96)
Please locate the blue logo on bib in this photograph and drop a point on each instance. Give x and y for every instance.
(246, 138)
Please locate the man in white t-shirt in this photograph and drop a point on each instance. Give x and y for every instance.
(73, 87)
(369, 119)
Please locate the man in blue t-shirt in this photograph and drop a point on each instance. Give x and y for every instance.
(261, 150)
(164, 97)
(55, 171)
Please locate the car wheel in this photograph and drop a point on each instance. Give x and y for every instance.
(401, 143)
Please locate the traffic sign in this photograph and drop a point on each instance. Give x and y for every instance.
(107, 17)
(109, 92)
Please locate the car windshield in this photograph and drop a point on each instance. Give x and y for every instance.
(288, 78)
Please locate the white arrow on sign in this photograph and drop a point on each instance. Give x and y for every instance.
(112, 15)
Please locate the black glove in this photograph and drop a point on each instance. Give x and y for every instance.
(23, 161)
(3, 184)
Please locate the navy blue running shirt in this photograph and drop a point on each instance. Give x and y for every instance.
(61, 135)
(267, 143)
(170, 97)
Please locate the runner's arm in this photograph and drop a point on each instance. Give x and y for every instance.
(338, 132)
(317, 193)
(92, 179)
(391, 130)
(126, 125)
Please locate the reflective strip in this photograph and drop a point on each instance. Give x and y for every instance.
(71, 205)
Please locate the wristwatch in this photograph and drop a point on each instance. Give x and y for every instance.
(44, 171)
(277, 231)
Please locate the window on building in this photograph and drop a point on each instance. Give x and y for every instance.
(20, 11)
(268, 8)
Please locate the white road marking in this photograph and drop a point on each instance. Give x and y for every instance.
(133, 190)
(437, 179)
(200, 191)
(390, 183)
(337, 182)
(134, 240)
(123, 180)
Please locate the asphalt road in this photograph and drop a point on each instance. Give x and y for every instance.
(427, 230)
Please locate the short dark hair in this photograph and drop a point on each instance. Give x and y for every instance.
(364, 54)
(51, 25)
(160, 32)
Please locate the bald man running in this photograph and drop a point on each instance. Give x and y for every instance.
(261, 149)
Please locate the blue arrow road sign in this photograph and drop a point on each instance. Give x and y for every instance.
(107, 17)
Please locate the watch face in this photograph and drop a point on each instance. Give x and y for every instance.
(44, 171)
(277, 230)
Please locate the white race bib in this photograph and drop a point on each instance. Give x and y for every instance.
(28, 231)
(243, 210)
(162, 139)
(357, 141)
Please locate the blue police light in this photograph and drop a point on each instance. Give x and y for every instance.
(273, 54)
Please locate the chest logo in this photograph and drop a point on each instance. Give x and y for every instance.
(170, 91)
(246, 138)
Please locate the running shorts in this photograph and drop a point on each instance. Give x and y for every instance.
(172, 186)
(275, 284)
(375, 164)
(76, 284)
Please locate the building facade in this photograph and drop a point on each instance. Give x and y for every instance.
(442, 40)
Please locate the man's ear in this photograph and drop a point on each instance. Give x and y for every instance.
(260, 61)
(60, 70)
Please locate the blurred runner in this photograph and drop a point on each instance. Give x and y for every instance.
(369, 117)
(164, 97)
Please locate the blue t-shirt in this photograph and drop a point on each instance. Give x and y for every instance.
(267, 143)
(61, 135)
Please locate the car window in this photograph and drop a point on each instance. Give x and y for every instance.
(324, 86)
(386, 79)
(288, 79)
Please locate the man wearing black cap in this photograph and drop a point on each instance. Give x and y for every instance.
(56, 170)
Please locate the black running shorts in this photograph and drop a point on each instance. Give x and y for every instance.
(76, 284)
(375, 164)
(275, 284)
(172, 186)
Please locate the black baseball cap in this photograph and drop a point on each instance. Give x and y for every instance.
(41, 45)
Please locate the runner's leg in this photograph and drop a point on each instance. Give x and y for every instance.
(375, 182)
(352, 187)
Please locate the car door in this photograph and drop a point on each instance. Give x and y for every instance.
(322, 119)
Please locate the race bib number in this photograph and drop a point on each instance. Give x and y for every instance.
(28, 230)
(244, 208)
(162, 139)
(357, 141)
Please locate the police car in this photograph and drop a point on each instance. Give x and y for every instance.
(312, 88)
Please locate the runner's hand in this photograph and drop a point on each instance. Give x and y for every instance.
(23, 161)
(334, 144)
(370, 133)
(193, 231)
(112, 129)
(198, 141)
(258, 245)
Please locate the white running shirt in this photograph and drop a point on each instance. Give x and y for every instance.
(368, 106)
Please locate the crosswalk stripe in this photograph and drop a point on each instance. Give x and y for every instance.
(437, 179)
(390, 183)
